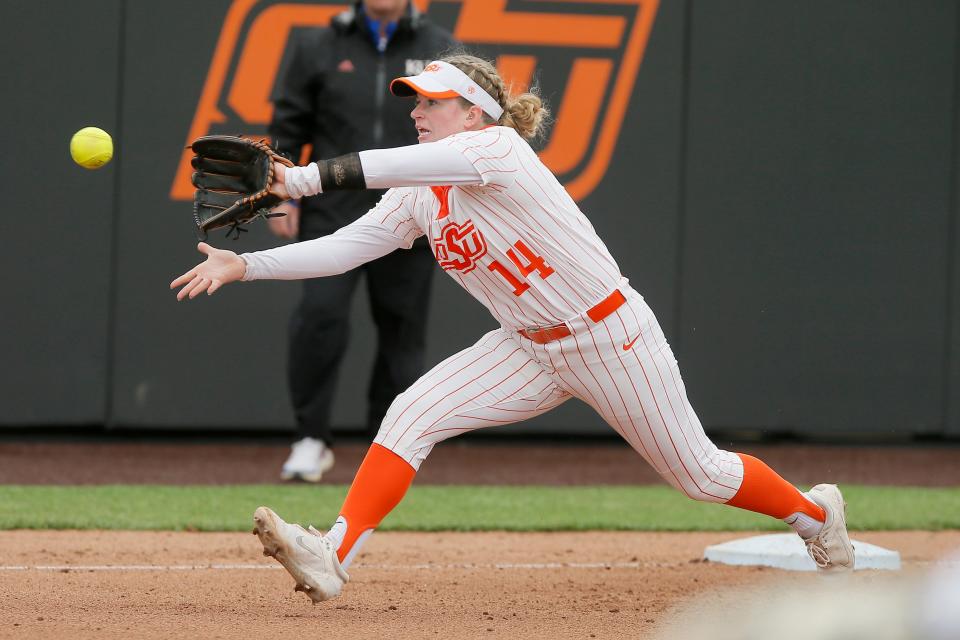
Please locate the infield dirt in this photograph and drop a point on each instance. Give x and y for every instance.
(405, 585)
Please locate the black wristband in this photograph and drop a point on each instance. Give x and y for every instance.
(342, 172)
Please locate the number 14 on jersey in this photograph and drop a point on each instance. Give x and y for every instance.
(533, 263)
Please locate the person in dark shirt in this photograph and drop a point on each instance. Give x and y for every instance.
(332, 95)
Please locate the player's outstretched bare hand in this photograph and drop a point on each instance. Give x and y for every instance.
(221, 267)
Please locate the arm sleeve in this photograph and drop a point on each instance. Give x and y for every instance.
(417, 165)
(493, 152)
(386, 227)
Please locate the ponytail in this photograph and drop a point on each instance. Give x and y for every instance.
(526, 113)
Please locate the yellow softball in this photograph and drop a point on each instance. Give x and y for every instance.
(91, 148)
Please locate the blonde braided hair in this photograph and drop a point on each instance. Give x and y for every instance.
(526, 113)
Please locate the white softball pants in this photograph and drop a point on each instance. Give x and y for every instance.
(622, 367)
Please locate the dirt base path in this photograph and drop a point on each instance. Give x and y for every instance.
(405, 585)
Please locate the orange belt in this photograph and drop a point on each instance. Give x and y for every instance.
(597, 313)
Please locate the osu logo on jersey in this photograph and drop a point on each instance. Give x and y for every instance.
(459, 246)
(589, 52)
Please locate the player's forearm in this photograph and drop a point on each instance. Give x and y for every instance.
(413, 166)
(348, 248)
(296, 261)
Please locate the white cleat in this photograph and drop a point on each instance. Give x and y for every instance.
(306, 555)
(831, 549)
(309, 459)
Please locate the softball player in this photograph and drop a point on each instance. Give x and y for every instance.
(571, 326)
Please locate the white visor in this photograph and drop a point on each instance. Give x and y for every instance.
(443, 80)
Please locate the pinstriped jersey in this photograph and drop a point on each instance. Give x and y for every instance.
(517, 242)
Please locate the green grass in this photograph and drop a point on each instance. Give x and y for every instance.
(451, 508)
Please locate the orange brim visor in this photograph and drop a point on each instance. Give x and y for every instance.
(441, 80)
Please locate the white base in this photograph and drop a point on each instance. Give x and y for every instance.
(787, 551)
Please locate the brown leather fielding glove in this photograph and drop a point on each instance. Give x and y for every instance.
(233, 177)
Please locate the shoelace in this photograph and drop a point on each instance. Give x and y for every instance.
(323, 540)
(310, 529)
(818, 554)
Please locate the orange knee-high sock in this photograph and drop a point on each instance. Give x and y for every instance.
(380, 484)
(764, 491)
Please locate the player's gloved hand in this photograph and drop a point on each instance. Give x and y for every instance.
(221, 267)
(235, 182)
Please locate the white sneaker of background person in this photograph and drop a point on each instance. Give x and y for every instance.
(309, 459)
